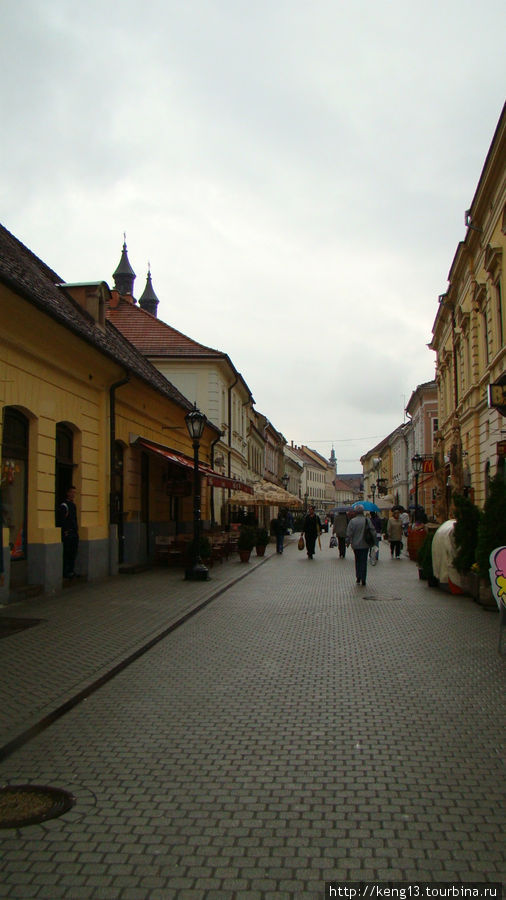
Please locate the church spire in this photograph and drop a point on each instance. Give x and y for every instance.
(149, 301)
(124, 276)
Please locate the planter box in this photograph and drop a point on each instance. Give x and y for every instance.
(481, 591)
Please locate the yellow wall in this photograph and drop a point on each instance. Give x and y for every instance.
(53, 376)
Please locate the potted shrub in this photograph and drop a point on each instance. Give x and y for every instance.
(491, 534)
(465, 532)
(424, 558)
(246, 542)
(204, 549)
(262, 539)
(465, 535)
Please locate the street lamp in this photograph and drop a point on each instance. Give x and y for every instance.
(195, 422)
(285, 479)
(417, 463)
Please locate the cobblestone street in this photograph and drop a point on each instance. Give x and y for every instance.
(298, 729)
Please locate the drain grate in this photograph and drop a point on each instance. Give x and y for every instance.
(30, 804)
(10, 625)
(374, 597)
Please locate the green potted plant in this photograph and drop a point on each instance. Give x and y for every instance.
(491, 534)
(262, 539)
(204, 550)
(424, 559)
(465, 532)
(246, 542)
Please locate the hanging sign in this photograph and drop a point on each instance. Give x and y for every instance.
(497, 395)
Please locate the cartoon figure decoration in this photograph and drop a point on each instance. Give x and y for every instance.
(498, 575)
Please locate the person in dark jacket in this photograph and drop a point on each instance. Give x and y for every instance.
(279, 530)
(376, 521)
(339, 529)
(69, 532)
(312, 530)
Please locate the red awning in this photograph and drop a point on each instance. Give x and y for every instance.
(214, 479)
(232, 484)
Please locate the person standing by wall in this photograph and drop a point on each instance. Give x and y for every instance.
(356, 536)
(394, 534)
(69, 532)
(312, 530)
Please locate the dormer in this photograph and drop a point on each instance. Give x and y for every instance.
(92, 297)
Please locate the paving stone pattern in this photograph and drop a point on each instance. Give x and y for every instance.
(292, 732)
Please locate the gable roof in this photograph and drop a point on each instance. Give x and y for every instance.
(155, 339)
(26, 275)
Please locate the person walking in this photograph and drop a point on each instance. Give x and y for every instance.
(376, 522)
(356, 536)
(312, 530)
(339, 529)
(394, 534)
(69, 532)
(279, 530)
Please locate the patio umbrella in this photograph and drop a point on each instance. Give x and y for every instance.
(370, 507)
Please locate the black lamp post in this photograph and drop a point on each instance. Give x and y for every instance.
(373, 490)
(285, 479)
(195, 422)
(417, 463)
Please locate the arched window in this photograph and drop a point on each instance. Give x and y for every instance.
(15, 479)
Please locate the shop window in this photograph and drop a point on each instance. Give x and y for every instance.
(15, 480)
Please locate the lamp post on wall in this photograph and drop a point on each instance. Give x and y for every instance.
(417, 463)
(285, 479)
(195, 422)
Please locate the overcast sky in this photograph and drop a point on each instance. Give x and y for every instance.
(296, 173)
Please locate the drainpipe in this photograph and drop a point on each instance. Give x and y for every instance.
(229, 467)
(212, 487)
(455, 374)
(112, 436)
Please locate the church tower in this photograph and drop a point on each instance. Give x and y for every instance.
(124, 276)
(149, 301)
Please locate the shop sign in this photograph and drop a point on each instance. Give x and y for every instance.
(497, 395)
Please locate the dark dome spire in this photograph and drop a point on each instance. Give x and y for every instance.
(149, 301)
(124, 276)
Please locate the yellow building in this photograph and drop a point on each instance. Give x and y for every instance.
(80, 405)
(469, 340)
(201, 373)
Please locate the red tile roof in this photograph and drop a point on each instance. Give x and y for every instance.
(152, 336)
(155, 339)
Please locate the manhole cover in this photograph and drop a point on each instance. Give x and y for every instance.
(29, 804)
(9, 625)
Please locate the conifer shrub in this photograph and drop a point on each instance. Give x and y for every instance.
(492, 527)
(465, 532)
